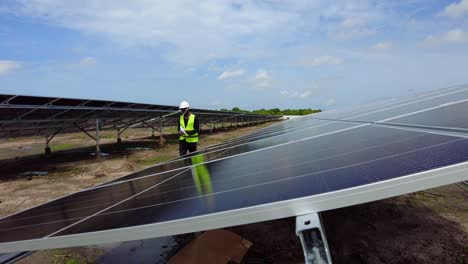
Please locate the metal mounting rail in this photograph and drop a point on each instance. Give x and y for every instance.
(310, 230)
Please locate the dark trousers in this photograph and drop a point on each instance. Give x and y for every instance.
(184, 146)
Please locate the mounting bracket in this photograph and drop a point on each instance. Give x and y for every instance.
(310, 230)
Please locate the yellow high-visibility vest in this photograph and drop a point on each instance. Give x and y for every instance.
(188, 127)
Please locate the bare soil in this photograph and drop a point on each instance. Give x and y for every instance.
(422, 227)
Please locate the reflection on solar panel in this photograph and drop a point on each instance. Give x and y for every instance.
(315, 163)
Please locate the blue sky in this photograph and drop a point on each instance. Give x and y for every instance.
(220, 54)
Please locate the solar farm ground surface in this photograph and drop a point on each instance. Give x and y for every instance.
(429, 226)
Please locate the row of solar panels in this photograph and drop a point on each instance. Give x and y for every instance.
(315, 163)
(33, 115)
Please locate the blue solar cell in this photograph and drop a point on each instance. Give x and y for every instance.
(295, 183)
(250, 144)
(404, 107)
(312, 166)
(449, 116)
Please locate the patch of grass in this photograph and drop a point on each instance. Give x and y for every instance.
(73, 261)
(170, 130)
(67, 256)
(82, 137)
(108, 136)
(154, 160)
(64, 146)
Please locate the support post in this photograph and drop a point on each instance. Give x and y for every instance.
(47, 150)
(310, 230)
(152, 129)
(98, 149)
(120, 132)
(161, 138)
(119, 139)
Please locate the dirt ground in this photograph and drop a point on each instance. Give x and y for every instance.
(423, 227)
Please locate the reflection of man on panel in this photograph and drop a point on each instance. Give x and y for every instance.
(188, 130)
(201, 175)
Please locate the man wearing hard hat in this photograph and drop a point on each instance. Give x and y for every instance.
(188, 129)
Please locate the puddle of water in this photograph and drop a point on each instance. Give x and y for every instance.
(149, 251)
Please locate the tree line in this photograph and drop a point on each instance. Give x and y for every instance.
(276, 111)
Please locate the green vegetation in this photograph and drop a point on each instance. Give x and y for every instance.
(276, 111)
(73, 261)
(169, 130)
(69, 256)
(108, 136)
(63, 146)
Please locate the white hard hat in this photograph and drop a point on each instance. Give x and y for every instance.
(184, 104)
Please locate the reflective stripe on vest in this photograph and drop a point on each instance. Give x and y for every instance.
(188, 127)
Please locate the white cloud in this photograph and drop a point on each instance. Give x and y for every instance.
(88, 61)
(323, 60)
(8, 66)
(353, 22)
(330, 102)
(231, 74)
(352, 27)
(453, 36)
(296, 94)
(190, 32)
(83, 63)
(456, 9)
(262, 79)
(354, 33)
(382, 46)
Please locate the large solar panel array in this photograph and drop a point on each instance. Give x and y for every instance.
(310, 164)
(35, 115)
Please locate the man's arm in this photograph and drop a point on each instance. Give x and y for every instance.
(178, 128)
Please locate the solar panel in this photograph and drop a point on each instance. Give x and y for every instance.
(35, 115)
(426, 102)
(450, 116)
(292, 168)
